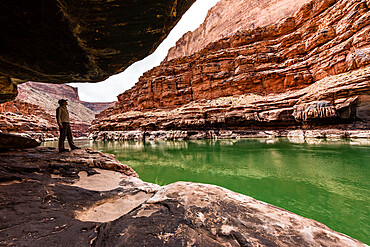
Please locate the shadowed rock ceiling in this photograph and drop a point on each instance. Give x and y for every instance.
(62, 41)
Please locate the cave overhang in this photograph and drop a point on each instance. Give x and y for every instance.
(62, 41)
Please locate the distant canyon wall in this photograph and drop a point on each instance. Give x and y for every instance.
(46, 95)
(35, 107)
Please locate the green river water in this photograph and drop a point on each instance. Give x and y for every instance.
(325, 181)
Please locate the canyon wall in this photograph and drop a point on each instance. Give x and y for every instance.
(340, 102)
(97, 107)
(34, 110)
(269, 66)
(47, 95)
(22, 117)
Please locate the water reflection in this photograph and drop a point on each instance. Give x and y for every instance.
(117, 145)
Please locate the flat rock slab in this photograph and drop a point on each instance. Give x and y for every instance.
(49, 199)
(8, 141)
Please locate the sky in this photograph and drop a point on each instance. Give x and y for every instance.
(107, 91)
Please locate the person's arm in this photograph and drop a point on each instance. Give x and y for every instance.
(59, 120)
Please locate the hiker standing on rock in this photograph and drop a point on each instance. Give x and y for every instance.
(64, 126)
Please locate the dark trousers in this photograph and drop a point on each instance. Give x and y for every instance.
(66, 131)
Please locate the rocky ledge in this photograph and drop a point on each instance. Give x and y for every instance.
(9, 141)
(87, 198)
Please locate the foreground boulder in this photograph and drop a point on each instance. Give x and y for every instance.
(87, 198)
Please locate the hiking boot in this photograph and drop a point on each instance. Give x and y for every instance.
(63, 150)
(75, 148)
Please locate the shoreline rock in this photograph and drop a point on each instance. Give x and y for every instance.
(48, 200)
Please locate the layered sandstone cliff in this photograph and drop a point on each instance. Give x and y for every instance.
(268, 70)
(22, 117)
(229, 16)
(341, 101)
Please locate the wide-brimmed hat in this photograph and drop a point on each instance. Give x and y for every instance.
(61, 101)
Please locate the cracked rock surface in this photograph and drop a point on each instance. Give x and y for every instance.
(49, 199)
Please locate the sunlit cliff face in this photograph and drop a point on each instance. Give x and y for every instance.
(277, 62)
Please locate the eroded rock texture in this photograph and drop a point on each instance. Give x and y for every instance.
(48, 198)
(66, 41)
(323, 38)
(22, 117)
(8, 89)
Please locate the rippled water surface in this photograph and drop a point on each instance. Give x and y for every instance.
(325, 181)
